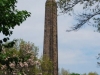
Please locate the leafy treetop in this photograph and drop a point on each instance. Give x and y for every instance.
(9, 18)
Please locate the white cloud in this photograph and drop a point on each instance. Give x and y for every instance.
(69, 57)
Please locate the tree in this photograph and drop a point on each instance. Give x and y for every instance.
(74, 74)
(9, 18)
(90, 15)
(64, 72)
(92, 73)
(46, 66)
(20, 59)
(98, 58)
(84, 74)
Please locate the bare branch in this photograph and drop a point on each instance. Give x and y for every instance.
(83, 19)
(68, 5)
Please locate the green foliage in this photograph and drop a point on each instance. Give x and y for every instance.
(92, 73)
(74, 74)
(84, 74)
(22, 52)
(46, 66)
(64, 72)
(10, 17)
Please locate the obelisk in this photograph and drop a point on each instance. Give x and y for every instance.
(50, 48)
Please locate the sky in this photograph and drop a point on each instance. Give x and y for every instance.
(77, 50)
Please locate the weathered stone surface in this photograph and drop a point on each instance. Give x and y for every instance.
(50, 34)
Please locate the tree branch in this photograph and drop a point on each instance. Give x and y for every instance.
(83, 19)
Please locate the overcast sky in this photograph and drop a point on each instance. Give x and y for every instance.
(77, 51)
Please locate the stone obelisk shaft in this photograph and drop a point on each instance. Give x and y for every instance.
(50, 34)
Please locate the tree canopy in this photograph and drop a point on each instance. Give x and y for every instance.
(20, 59)
(89, 16)
(9, 18)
